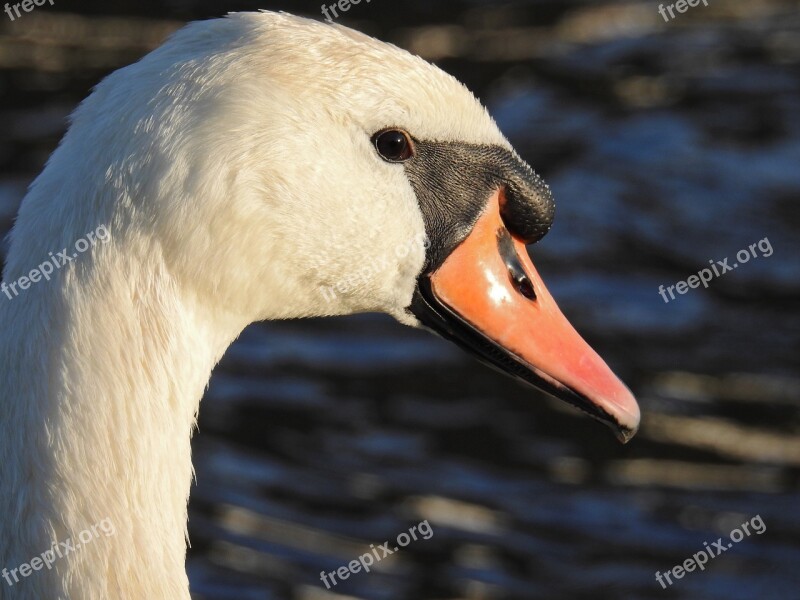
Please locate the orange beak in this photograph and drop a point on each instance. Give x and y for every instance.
(488, 297)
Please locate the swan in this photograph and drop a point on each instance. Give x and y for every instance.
(239, 169)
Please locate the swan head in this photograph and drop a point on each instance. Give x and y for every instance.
(290, 168)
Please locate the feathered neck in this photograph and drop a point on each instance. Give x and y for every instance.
(103, 368)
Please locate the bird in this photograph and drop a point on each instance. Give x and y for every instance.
(241, 172)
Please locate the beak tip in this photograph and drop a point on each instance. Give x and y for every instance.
(625, 434)
(627, 421)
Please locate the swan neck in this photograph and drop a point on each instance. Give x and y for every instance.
(103, 369)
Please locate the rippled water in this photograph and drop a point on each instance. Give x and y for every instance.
(666, 145)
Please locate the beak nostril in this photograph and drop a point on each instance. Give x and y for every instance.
(523, 285)
(516, 272)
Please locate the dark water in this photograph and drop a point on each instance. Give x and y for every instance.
(667, 145)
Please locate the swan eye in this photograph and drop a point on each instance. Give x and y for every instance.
(393, 145)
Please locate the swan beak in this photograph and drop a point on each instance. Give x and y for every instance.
(488, 297)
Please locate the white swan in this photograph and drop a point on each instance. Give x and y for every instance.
(244, 166)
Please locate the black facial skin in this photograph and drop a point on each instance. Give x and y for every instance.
(453, 182)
